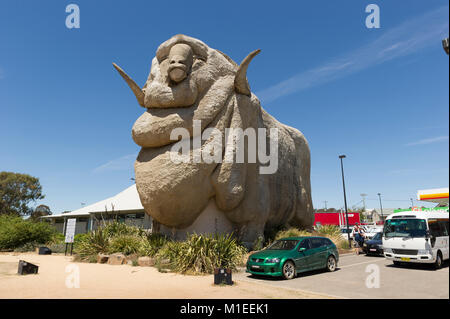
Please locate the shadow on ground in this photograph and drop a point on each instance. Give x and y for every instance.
(418, 266)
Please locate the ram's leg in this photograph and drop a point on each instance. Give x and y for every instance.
(304, 216)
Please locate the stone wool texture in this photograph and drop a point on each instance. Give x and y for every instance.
(190, 81)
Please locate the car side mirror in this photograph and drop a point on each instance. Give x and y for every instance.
(302, 249)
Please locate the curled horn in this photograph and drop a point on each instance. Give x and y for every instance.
(240, 80)
(133, 86)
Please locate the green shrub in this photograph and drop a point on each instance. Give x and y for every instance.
(343, 244)
(203, 253)
(94, 242)
(292, 232)
(152, 244)
(31, 246)
(57, 238)
(258, 244)
(115, 228)
(15, 232)
(331, 230)
(110, 237)
(126, 244)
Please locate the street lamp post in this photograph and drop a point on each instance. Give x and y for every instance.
(345, 200)
(381, 207)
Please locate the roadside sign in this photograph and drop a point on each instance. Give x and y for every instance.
(70, 230)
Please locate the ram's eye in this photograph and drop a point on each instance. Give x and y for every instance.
(198, 63)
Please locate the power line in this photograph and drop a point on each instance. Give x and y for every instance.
(391, 200)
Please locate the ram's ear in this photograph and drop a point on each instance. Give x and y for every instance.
(133, 86)
(240, 80)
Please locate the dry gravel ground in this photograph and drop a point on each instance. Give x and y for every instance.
(125, 281)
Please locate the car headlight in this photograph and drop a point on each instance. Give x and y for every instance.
(273, 260)
(423, 252)
(365, 245)
(388, 250)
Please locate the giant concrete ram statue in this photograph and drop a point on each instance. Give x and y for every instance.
(189, 85)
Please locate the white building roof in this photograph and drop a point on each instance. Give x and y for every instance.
(127, 200)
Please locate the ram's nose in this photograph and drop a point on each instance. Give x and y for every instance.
(177, 68)
(177, 74)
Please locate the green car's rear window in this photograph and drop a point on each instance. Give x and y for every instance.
(287, 244)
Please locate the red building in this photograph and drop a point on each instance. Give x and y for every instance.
(336, 218)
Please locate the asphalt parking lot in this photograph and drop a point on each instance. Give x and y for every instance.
(356, 273)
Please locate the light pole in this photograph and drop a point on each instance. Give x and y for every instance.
(381, 207)
(345, 200)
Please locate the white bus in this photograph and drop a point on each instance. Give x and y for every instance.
(417, 236)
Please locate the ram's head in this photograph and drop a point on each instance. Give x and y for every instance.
(183, 73)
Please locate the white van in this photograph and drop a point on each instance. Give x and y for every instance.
(417, 236)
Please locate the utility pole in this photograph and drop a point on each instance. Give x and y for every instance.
(381, 207)
(325, 201)
(345, 201)
(412, 203)
(364, 201)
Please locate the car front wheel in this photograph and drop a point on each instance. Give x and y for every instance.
(331, 263)
(288, 270)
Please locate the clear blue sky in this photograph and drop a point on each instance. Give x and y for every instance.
(380, 96)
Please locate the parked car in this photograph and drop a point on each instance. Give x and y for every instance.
(290, 256)
(372, 231)
(374, 246)
(344, 233)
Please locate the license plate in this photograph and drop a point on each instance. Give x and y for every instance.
(373, 249)
(405, 259)
(256, 267)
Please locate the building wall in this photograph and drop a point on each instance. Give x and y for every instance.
(59, 226)
(92, 222)
(337, 219)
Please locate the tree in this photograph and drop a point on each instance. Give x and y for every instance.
(17, 191)
(41, 210)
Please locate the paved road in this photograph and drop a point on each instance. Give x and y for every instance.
(349, 280)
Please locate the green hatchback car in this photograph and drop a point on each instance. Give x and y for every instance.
(287, 257)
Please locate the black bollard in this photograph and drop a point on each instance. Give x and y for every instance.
(222, 276)
(27, 268)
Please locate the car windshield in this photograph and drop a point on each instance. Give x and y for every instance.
(283, 244)
(377, 236)
(408, 227)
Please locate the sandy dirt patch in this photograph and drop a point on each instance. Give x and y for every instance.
(124, 281)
